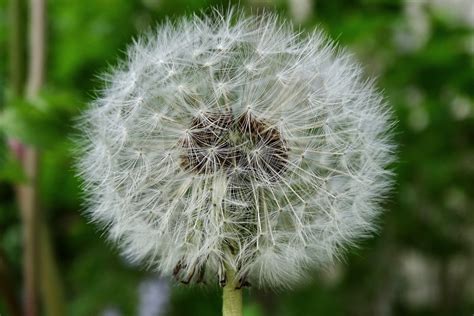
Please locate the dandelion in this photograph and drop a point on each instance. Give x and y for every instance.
(235, 150)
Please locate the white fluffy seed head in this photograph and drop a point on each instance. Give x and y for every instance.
(234, 142)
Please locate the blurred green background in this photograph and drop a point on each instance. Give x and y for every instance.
(421, 262)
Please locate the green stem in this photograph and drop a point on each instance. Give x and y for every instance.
(231, 297)
(16, 48)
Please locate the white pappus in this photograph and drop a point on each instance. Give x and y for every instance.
(232, 142)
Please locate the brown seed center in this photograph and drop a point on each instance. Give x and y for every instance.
(244, 144)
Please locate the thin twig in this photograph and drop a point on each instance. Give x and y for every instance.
(27, 192)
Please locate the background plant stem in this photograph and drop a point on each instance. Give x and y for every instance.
(40, 272)
(16, 47)
(27, 192)
(27, 199)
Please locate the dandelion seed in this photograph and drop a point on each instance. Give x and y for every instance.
(236, 143)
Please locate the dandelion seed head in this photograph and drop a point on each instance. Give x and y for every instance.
(235, 142)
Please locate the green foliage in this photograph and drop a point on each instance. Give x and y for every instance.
(42, 122)
(10, 168)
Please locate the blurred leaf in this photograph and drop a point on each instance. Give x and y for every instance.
(43, 122)
(11, 170)
(252, 310)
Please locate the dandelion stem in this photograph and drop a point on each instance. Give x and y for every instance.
(231, 296)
